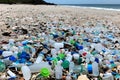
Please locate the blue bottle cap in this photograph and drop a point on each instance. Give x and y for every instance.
(1, 51)
(24, 55)
(78, 46)
(12, 58)
(97, 60)
(112, 62)
(25, 42)
(22, 60)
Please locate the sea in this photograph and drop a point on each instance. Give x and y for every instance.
(115, 7)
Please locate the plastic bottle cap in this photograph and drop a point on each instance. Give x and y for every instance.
(84, 54)
(61, 55)
(12, 58)
(65, 64)
(1, 51)
(72, 42)
(44, 72)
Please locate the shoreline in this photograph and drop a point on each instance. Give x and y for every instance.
(96, 8)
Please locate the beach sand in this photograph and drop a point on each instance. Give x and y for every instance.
(71, 16)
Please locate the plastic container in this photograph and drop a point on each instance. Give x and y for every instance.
(38, 66)
(11, 74)
(71, 66)
(95, 68)
(58, 45)
(39, 58)
(26, 72)
(89, 68)
(7, 53)
(58, 71)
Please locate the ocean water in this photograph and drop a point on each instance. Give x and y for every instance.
(115, 7)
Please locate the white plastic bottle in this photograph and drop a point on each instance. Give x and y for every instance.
(68, 77)
(95, 69)
(37, 66)
(11, 73)
(58, 71)
(26, 72)
(71, 66)
(39, 58)
(7, 53)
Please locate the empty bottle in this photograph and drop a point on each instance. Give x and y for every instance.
(95, 68)
(26, 72)
(58, 71)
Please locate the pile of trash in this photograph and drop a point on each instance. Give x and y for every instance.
(59, 52)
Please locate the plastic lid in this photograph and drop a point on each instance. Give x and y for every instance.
(78, 46)
(12, 58)
(44, 72)
(80, 60)
(65, 64)
(1, 51)
(61, 55)
(72, 42)
(2, 66)
(84, 53)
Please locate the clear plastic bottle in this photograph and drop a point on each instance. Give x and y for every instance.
(68, 77)
(11, 73)
(7, 53)
(26, 72)
(37, 66)
(71, 66)
(39, 58)
(58, 71)
(95, 69)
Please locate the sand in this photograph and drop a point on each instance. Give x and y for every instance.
(71, 16)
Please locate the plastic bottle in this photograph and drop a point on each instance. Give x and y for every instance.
(58, 71)
(26, 72)
(95, 68)
(69, 57)
(68, 77)
(11, 42)
(76, 56)
(71, 66)
(89, 68)
(11, 73)
(39, 58)
(7, 53)
(37, 66)
(58, 45)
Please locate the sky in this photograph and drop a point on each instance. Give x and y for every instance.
(84, 1)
